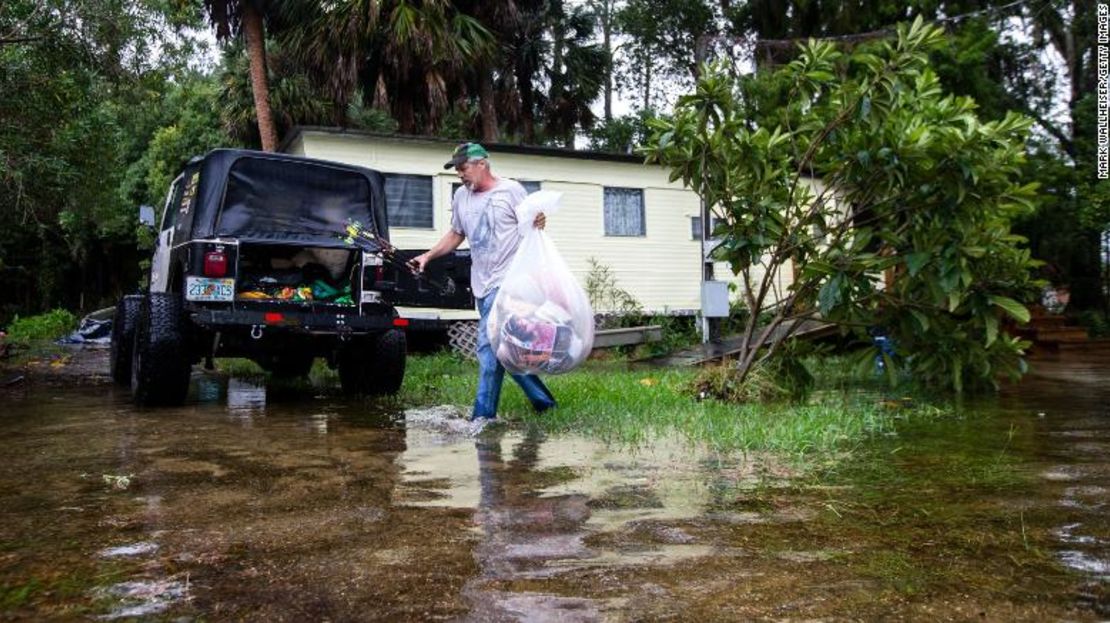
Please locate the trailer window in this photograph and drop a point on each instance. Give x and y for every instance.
(624, 212)
(408, 200)
(695, 227)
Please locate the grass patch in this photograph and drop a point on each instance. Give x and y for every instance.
(612, 401)
(17, 596)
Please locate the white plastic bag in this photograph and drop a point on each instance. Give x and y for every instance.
(541, 321)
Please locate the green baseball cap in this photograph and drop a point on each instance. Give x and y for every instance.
(466, 152)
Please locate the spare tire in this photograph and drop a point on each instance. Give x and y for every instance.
(123, 338)
(161, 361)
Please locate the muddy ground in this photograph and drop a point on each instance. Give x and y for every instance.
(57, 365)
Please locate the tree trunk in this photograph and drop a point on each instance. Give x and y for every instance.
(527, 108)
(488, 106)
(606, 41)
(647, 80)
(256, 50)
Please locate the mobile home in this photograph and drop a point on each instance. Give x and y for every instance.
(615, 209)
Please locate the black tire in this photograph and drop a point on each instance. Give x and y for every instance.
(123, 338)
(288, 366)
(161, 363)
(375, 366)
(389, 362)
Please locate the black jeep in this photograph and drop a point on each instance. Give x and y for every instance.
(251, 262)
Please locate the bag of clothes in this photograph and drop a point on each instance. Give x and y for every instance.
(541, 321)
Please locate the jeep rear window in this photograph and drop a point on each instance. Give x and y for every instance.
(278, 200)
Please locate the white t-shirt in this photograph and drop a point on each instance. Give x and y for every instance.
(488, 220)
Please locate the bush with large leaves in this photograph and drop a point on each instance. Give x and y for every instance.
(870, 168)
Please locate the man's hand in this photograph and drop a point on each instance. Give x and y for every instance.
(540, 222)
(418, 263)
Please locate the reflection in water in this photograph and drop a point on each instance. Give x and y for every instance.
(1070, 397)
(538, 501)
(144, 598)
(246, 399)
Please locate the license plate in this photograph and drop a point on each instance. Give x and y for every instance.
(207, 289)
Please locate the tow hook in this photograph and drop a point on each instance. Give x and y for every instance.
(256, 331)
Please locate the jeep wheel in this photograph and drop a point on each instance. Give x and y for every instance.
(123, 338)
(375, 366)
(288, 366)
(160, 363)
(389, 362)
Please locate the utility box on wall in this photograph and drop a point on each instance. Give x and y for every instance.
(714, 299)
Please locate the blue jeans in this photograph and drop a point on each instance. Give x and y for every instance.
(491, 374)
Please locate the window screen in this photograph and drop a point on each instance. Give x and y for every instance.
(695, 226)
(408, 200)
(624, 212)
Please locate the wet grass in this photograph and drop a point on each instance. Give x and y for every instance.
(612, 401)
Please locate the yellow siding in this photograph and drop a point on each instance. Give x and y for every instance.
(661, 269)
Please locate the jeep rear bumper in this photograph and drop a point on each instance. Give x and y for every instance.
(305, 323)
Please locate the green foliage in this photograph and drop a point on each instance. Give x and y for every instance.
(1097, 323)
(612, 304)
(785, 376)
(622, 134)
(49, 326)
(870, 167)
(404, 57)
(294, 99)
(678, 332)
(662, 45)
(79, 85)
(189, 125)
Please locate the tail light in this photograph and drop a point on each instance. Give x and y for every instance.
(379, 273)
(215, 263)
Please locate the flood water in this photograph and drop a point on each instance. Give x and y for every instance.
(251, 503)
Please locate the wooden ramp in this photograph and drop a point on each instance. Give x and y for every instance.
(728, 346)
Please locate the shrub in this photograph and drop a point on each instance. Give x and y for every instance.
(49, 326)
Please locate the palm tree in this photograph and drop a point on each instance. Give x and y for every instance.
(406, 57)
(495, 97)
(235, 17)
(576, 73)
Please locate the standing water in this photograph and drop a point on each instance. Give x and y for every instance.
(250, 504)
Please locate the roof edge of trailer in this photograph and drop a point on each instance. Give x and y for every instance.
(494, 148)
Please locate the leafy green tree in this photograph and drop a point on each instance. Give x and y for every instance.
(623, 134)
(192, 126)
(1009, 57)
(871, 168)
(662, 44)
(78, 84)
